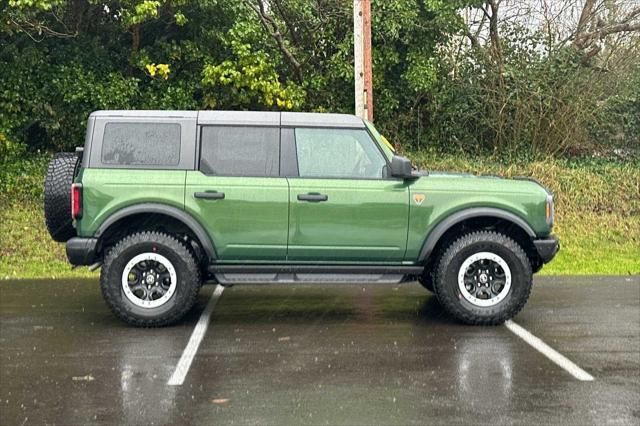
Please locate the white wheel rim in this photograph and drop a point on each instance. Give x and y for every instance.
(491, 277)
(150, 282)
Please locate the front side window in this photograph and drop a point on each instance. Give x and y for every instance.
(338, 153)
(240, 151)
(141, 144)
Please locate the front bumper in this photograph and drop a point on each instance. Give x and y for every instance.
(547, 248)
(81, 251)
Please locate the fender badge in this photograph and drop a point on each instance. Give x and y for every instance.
(418, 198)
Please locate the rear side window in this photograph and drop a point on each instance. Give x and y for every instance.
(240, 151)
(141, 144)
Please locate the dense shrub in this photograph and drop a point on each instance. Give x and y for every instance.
(62, 59)
(536, 105)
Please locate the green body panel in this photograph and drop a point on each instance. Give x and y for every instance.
(260, 220)
(446, 194)
(362, 220)
(250, 223)
(105, 191)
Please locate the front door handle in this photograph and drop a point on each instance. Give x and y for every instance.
(210, 195)
(316, 198)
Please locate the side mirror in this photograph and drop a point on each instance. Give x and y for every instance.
(401, 167)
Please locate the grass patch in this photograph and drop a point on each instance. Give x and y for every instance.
(27, 250)
(597, 205)
(596, 244)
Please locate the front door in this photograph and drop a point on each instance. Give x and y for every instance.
(342, 207)
(237, 193)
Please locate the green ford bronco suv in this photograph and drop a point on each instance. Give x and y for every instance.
(165, 200)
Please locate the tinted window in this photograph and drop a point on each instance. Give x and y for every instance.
(338, 153)
(153, 144)
(240, 151)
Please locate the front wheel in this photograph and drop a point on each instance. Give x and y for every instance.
(483, 278)
(150, 279)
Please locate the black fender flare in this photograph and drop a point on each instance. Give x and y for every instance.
(452, 220)
(174, 212)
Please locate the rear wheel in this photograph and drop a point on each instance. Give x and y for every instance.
(150, 279)
(483, 278)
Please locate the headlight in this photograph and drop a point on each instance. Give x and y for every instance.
(550, 211)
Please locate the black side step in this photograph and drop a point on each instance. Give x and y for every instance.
(316, 269)
(320, 274)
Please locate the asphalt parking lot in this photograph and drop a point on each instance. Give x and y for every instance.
(356, 354)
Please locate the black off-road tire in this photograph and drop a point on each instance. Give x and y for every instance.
(446, 278)
(57, 195)
(187, 286)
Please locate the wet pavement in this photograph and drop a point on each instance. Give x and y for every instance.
(353, 354)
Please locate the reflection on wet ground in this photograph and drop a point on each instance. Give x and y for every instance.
(320, 355)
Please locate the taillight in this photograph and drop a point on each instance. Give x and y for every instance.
(76, 200)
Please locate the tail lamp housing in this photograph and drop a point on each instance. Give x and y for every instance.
(76, 200)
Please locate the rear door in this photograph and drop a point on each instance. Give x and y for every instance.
(343, 208)
(237, 193)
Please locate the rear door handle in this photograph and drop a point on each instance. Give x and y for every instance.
(210, 195)
(313, 197)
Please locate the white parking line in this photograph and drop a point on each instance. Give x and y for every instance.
(549, 352)
(182, 368)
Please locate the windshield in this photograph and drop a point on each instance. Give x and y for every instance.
(386, 146)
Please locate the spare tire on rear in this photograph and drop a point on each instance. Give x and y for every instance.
(57, 195)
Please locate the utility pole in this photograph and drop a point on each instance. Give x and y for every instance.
(363, 67)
